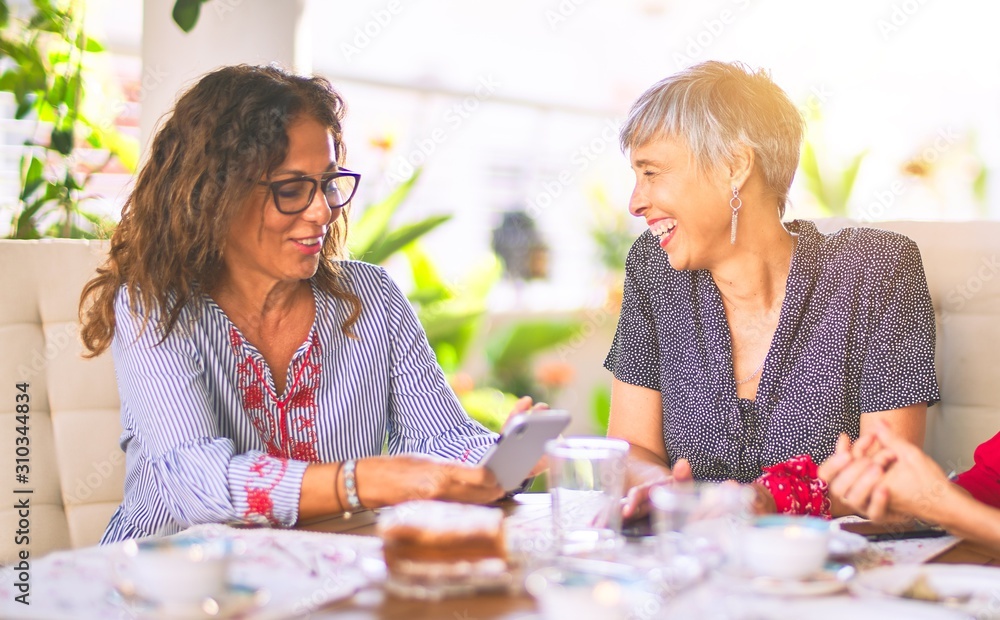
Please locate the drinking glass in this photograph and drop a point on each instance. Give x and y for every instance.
(700, 518)
(587, 482)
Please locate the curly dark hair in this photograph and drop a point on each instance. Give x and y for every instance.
(225, 133)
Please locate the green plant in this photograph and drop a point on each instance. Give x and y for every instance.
(830, 187)
(511, 351)
(600, 408)
(488, 406)
(372, 240)
(45, 71)
(451, 312)
(832, 190)
(610, 231)
(186, 13)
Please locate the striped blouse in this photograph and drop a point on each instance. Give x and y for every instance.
(207, 439)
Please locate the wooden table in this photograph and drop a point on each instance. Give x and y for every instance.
(373, 603)
(967, 552)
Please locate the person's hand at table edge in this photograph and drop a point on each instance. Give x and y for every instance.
(635, 505)
(385, 481)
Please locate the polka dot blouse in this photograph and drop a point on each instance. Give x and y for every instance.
(855, 335)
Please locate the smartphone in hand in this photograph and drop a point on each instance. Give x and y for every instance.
(522, 444)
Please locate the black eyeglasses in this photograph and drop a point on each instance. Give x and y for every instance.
(294, 195)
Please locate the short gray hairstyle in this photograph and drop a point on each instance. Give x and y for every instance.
(715, 107)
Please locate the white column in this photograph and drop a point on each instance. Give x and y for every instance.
(228, 32)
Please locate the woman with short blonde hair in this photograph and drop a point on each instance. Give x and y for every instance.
(746, 345)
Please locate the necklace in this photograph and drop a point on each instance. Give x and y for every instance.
(759, 368)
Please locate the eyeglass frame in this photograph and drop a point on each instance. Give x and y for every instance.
(274, 186)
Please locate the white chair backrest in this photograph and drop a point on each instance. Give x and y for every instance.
(76, 469)
(962, 262)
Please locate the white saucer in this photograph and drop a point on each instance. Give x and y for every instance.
(846, 544)
(235, 601)
(831, 580)
(970, 589)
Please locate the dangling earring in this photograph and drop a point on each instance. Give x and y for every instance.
(734, 203)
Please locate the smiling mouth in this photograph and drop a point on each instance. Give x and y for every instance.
(310, 246)
(663, 228)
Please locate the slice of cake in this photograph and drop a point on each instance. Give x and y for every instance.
(435, 549)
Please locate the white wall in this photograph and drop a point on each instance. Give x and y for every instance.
(228, 32)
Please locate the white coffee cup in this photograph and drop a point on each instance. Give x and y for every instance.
(179, 572)
(785, 546)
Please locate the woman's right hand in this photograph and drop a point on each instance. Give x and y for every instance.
(389, 480)
(636, 502)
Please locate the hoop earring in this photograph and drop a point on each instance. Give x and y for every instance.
(736, 208)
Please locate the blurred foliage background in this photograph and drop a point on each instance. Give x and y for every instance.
(45, 66)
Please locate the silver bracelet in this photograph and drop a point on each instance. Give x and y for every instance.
(351, 484)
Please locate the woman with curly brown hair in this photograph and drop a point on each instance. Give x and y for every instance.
(259, 371)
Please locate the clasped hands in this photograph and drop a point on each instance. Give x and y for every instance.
(884, 477)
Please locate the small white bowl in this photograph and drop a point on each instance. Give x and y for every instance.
(785, 546)
(184, 571)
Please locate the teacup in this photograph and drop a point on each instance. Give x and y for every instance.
(182, 572)
(785, 546)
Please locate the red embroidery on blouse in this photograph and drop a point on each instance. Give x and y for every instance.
(296, 412)
(796, 487)
(234, 340)
(259, 502)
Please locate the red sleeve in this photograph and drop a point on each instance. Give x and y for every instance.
(983, 480)
(796, 487)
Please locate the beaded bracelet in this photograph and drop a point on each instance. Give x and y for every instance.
(351, 484)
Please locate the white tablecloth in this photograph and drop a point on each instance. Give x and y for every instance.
(304, 571)
(298, 571)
